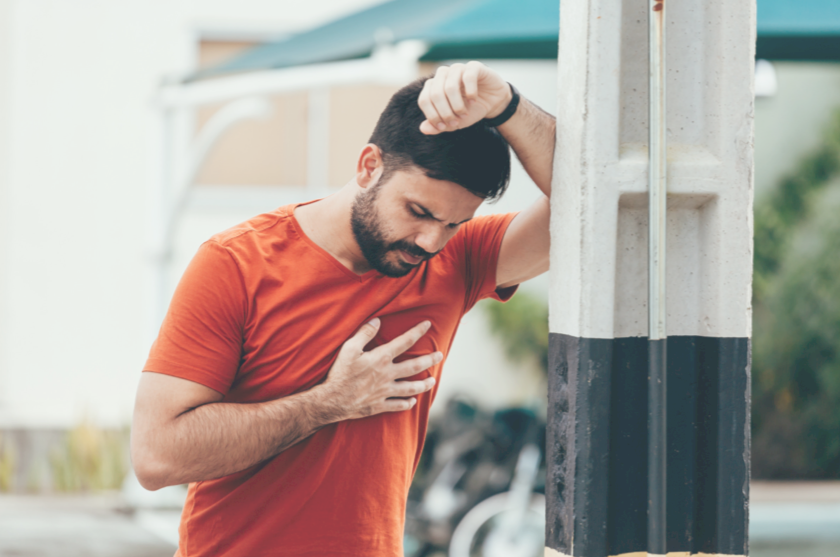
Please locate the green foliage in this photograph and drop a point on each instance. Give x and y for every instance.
(796, 341)
(778, 216)
(521, 325)
(90, 459)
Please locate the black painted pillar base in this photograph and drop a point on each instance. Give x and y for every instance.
(597, 445)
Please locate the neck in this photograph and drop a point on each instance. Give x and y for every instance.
(327, 223)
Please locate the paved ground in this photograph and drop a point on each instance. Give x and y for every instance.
(794, 549)
(795, 519)
(74, 526)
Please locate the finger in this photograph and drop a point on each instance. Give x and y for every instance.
(364, 335)
(429, 111)
(412, 388)
(403, 342)
(428, 128)
(398, 404)
(470, 80)
(437, 94)
(453, 89)
(416, 365)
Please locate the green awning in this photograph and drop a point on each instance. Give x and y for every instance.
(807, 30)
(799, 30)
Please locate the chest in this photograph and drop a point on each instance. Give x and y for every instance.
(296, 327)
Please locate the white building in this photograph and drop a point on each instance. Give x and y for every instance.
(81, 153)
(78, 166)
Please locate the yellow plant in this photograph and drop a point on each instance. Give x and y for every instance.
(8, 465)
(89, 459)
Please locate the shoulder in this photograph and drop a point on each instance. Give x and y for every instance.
(255, 228)
(253, 244)
(485, 230)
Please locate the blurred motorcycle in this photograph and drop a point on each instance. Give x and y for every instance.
(478, 491)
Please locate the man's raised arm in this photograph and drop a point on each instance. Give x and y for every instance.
(461, 95)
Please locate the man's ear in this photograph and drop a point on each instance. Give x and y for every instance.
(370, 166)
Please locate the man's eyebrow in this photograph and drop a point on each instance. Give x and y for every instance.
(431, 215)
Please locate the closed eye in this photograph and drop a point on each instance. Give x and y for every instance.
(420, 215)
(425, 214)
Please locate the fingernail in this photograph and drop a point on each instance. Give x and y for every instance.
(427, 324)
(432, 380)
(453, 123)
(438, 356)
(441, 126)
(413, 401)
(374, 322)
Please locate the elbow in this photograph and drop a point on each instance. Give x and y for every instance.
(149, 479)
(152, 472)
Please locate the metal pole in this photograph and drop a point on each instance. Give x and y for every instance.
(657, 338)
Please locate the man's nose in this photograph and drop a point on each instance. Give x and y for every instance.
(431, 239)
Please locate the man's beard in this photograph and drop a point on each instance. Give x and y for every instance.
(367, 230)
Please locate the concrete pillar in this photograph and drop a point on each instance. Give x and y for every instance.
(597, 440)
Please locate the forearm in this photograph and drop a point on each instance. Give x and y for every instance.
(182, 432)
(220, 438)
(531, 134)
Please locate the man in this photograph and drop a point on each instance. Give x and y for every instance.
(292, 378)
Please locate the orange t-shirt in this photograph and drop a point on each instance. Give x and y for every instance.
(259, 314)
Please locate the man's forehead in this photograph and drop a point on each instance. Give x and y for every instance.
(443, 199)
(444, 208)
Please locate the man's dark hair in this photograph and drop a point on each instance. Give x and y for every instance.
(476, 158)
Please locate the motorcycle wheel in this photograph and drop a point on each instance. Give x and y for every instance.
(474, 536)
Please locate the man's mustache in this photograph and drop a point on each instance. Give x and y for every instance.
(412, 249)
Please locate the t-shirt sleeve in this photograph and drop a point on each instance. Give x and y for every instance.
(201, 336)
(479, 242)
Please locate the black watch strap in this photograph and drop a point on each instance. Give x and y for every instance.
(507, 112)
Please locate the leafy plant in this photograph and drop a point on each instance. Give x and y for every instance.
(90, 459)
(789, 205)
(521, 325)
(796, 341)
(8, 465)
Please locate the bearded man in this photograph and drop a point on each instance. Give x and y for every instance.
(291, 381)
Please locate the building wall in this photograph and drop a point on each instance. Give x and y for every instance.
(76, 83)
(353, 115)
(274, 151)
(75, 144)
(213, 51)
(264, 152)
(789, 124)
(6, 39)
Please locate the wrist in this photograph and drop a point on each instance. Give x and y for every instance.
(320, 406)
(509, 105)
(503, 104)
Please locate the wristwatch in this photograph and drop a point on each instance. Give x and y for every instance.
(507, 112)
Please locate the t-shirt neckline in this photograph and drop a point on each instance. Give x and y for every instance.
(367, 275)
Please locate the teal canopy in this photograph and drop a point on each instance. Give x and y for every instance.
(460, 29)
